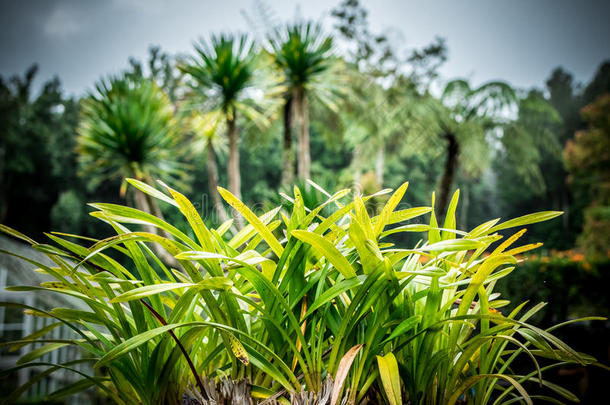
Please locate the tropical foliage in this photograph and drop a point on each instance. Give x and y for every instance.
(303, 295)
(587, 156)
(128, 129)
(310, 299)
(303, 53)
(463, 118)
(225, 79)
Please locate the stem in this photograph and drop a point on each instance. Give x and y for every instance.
(182, 349)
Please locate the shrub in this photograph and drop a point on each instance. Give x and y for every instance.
(298, 304)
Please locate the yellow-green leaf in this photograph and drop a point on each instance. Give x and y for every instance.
(253, 220)
(388, 371)
(527, 219)
(212, 283)
(328, 250)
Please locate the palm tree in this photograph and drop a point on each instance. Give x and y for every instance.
(224, 73)
(462, 119)
(304, 54)
(209, 126)
(377, 122)
(128, 129)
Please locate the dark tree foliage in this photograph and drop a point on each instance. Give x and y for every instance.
(36, 150)
(39, 185)
(567, 97)
(587, 157)
(160, 68)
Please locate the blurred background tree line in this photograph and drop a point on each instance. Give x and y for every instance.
(256, 113)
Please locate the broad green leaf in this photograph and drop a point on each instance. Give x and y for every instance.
(35, 335)
(405, 326)
(527, 219)
(71, 389)
(454, 245)
(122, 214)
(253, 220)
(450, 216)
(41, 351)
(369, 255)
(328, 250)
(16, 234)
(194, 219)
(384, 217)
(249, 231)
(329, 294)
(133, 343)
(148, 189)
(406, 214)
(469, 382)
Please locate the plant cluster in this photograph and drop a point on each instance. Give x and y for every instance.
(316, 302)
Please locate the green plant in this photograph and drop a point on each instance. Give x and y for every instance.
(127, 128)
(297, 304)
(303, 53)
(230, 77)
(461, 119)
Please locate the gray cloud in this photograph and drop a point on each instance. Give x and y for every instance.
(519, 41)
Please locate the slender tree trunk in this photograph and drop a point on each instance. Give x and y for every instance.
(233, 166)
(465, 200)
(146, 203)
(451, 165)
(287, 155)
(379, 163)
(212, 168)
(304, 164)
(355, 168)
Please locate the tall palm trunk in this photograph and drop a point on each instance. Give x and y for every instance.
(301, 107)
(287, 155)
(451, 165)
(233, 166)
(212, 168)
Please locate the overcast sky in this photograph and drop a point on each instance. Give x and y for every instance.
(520, 41)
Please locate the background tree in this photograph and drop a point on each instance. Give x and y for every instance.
(128, 129)
(37, 131)
(209, 126)
(304, 54)
(225, 78)
(378, 120)
(588, 157)
(462, 118)
(161, 69)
